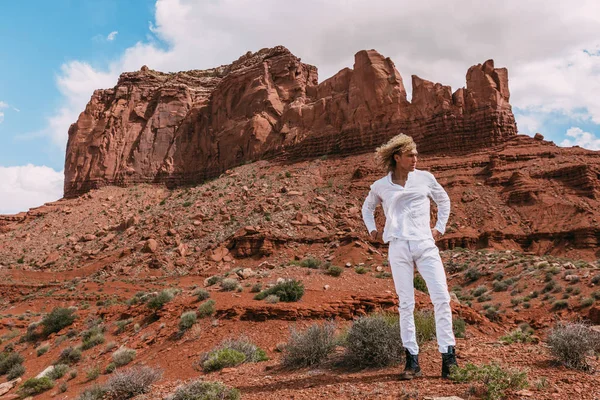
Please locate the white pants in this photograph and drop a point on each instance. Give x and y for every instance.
(403, 255)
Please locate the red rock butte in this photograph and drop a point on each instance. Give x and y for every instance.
(185, 127)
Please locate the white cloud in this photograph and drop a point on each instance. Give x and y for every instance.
(28, 186)
(112, 36)
(1, 117)
(437, 40)
(3, 104)
(582, 139)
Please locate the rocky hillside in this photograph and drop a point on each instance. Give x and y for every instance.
(182, 128)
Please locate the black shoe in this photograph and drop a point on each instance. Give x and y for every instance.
(448, 360)
(412, 369)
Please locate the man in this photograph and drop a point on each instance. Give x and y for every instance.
(404, 194)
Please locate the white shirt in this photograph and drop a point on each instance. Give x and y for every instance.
(406, 208)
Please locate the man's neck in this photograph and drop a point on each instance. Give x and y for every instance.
(400, 175)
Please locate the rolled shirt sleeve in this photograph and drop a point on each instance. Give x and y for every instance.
(368, 210)
(439, 195)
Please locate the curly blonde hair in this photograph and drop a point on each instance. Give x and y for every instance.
(398, 144)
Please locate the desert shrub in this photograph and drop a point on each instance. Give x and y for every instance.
(96, 392)
(131, 382)
(272, 299)
(492, 313)
(201, 294)
(69, 356)
(242, 344)
(499, 286)
(517, 336)
(459, 327)
(62, 387)
(515, 301)
(15, 371)
(587, 302)
(222, 358)
(596, 279)
(479, 290)
(472, 274)
(373, 341)
(58, 371)
(92, 338)
(310, 346)
(123, 356)
(187, 320)
(42, 350)
(122, 324)
(202, 390)
(424, 325)
(206, 309)
(310, 262)
(213, 280)
(33, 386)
(495, 379)
(229, 284)
(560, 304)
(570, 343)
(9, 360)
(58, 319)
(483, 298)
(334, 270)
(92, 373)
(257, 287)
(157, 302)
(549, 286)
(72, 374)
(498, 276)
(110, 368)
(419, 283)
(361, 270)
(291, 290)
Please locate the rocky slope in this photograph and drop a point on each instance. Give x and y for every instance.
(185, 127)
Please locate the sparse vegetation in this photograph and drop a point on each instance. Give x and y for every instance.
(131, 382)
(459, 326)
(157, 301)
(8, 360)
(33, 386)
(201, 294)
(310, 262)
(69, 356)
(123, 356)
(373, 341)
(58, 319)
(15, 371)
(419, 283)
(571, 343)
(310, 346)
(288, 291)
(230, 353)
(472, 275)
(229, 284)
(206, 309)
(496, 380)
(187, 320)
(203, 390)
(222, 358)
(334, 270)
(424, 325)
(58, 371)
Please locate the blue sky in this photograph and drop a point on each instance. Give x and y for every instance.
(54, 54)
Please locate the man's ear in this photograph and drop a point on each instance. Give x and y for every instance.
(397, 157)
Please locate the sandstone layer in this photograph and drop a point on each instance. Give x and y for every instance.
(182, 128)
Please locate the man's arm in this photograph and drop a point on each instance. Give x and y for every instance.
(439, 195)
(368, 212)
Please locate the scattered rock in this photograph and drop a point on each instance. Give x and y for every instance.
(150, 246)
(8, 386)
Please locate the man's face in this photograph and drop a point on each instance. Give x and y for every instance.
(407, 160)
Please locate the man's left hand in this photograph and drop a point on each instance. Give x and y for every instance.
(436, 234)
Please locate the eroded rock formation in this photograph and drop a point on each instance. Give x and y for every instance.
(185, 127)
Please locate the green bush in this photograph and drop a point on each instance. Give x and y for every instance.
(213, 280)
(96, 392)
(272, 299)
(203, 390)
(15, 371)
(570, 343)
(33, 386)
(122, 324)
(58, 371)
(373, 341)
(495, 379)
(419, 283)
(58, 319)
(92, 373)
(334, 270)
(158, 301)
(9, 360)
(252, 352)
(206, 309)
(92, 338)
(42, 350)
(123, 356)
(131, 382)
(479, 290)
(69, 356)
(459, 327)
(310, 262)
(222, 358)
(499, 286)
(310, 346)
(472, 275)
(201, 294)
(361, 270)
(517, 336)
(257, 287)
(187, 320)
(288, 291)
(424, 326)
(560, 304)
(587, 302)
(229, 284)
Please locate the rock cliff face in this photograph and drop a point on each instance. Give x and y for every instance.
(185, 127)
